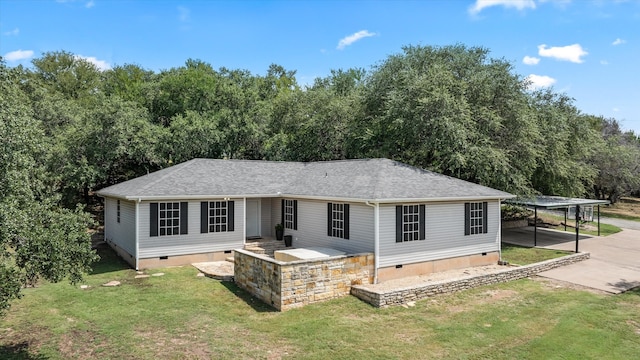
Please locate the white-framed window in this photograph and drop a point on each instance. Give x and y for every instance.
(218, 216)
(289, 214)
(118, 212)
(475, 220)
(168, 218)
(410, 223)
(338, 220)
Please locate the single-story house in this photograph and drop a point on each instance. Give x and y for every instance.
(414, 221)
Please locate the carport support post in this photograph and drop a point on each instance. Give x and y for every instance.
(535, 226)
(577, 226)
(598, 220)
(565, 219)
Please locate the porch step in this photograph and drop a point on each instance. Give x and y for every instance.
(230, 259)
(265, 247)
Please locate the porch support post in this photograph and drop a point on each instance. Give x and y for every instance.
(244, 221)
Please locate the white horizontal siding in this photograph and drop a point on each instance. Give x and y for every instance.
(267, 228)
(276, 213)
(312, 227)
(445, 236)
(194, 242)
(122, 233)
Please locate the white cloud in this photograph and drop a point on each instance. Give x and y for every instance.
(18, 55)
(540, 81)
(618, 41)
(90, 4)
(184, 13)
(518, 4)
(531, 60)
(604, 62)
(13, 32)
(615, 109)
(573, 53)
(348, 40)
(100, 64)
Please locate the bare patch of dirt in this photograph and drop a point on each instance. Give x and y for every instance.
(80, 344)
(559, 284)
(635, 325)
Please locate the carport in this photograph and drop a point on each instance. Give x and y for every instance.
(555, 203)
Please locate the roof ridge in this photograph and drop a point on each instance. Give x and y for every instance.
(169, 171)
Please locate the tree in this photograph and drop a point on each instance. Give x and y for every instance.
(70, 75)
(568, 144)
(453, 110)
(38, 238)
(617, 161)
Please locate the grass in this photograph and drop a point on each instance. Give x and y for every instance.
(179, 315)
(627, 208)
(619, 216)
(521, 255)
(556, 220)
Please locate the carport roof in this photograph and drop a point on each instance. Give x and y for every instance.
(554, 202)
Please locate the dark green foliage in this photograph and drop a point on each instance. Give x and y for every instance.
(38, 238)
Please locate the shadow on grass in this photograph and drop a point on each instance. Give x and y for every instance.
(632, 286)
(109, 261)
(18, 351)
(245, 296)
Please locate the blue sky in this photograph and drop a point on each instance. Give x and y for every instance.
(589, 50)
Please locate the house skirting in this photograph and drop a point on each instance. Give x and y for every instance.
(128, 258)
(178, 260)
(433, 266)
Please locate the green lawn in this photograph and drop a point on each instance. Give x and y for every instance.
(179, 315)
(520, 255)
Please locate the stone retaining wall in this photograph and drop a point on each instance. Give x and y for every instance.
(288, 285)
(402, 296)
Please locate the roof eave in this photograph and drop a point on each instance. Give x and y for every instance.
(309, 197)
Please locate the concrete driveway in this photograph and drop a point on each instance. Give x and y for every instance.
(614, 265)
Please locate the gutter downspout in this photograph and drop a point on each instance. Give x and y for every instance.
(376, 239)
(137, 232)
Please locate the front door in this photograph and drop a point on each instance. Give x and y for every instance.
(253, 218)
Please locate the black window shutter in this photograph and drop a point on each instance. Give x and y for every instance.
(329, 207)
(346, 221)
(204, 217)
(467, 219)
(153, 219)
(230, 214)
(398, 223)
(184, 218)
(421, 222)
(282, 202)
(484, 217)
(295, 214)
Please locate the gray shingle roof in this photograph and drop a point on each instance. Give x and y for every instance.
(366, 179)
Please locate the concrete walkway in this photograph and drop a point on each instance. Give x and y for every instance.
(614, 265)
